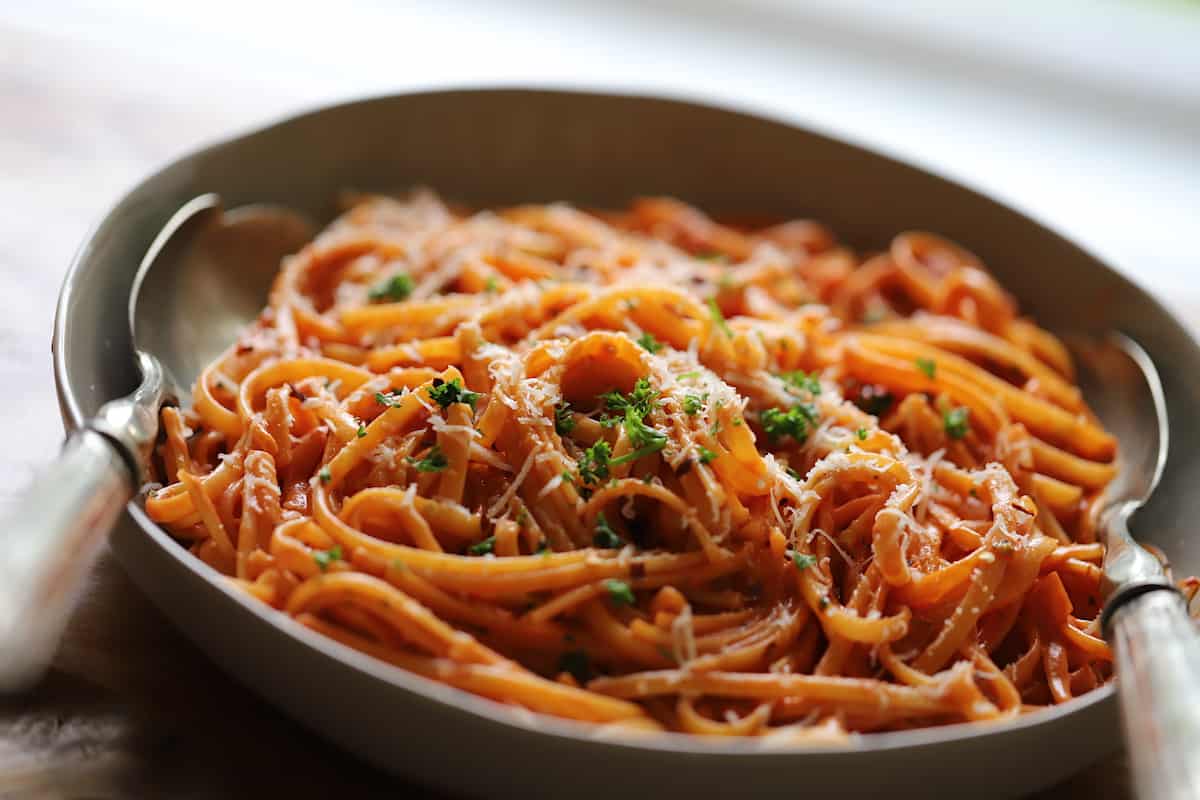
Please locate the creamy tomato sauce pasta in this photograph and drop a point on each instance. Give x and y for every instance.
(649, 469)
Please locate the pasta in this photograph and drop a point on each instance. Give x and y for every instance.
(647, 469)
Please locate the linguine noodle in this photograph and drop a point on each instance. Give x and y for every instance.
(645, 468)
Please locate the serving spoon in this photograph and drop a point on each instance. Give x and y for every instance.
(204, 277)
(1145, 618)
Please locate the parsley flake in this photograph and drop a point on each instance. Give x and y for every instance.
(794, 422)
(928, 366)
(718, 318)
(640, 399)
(605, 536)
(693, 403)
(446, 393)
(593, 464)
(394, 289)
(802, 380)
(640, 434)
(484, 547)
(641, 452)
(326, 557)
(564, 419)
(362, 431)
(434, 461)
(706, 455)
(648, 342)
(325, 475)
(956, 422)
(862, 434)
(619, 592)
(802, 560)
(389, 399)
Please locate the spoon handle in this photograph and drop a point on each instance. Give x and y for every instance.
(48, 541)
(1158, 675)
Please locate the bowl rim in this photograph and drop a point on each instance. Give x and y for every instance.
(461, 700)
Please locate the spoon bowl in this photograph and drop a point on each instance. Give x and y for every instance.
(222, 264)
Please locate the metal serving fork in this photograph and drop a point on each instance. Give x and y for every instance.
(1156, 648)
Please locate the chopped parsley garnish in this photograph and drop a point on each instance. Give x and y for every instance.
(718, 318)
(862, 434)
(802, 560)
(802, 380)
(641, 452)
(362, 431)
(605, 536)
(706, 455)
(434, 461)
(687, 376)
(593, 464)
(619, 592)
(445, 393)
(324, 475)
(928, 366)
(794, 422)
(564, 419)
(543, 548)
(389, 399)
(634, 407)
(640, 434)
(484, 547)
(647, 341)
(640, 399)
(711, 255)
(396, 288)
(795, 474)
(692, 403)
(326, 557)
(955, 422)
(489, 285)
(577, 664)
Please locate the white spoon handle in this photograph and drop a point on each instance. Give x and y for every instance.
(48, 542)
(1158, 676)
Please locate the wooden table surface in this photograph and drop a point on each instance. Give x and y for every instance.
(130, 709)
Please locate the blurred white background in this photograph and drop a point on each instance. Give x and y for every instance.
(1084, 114)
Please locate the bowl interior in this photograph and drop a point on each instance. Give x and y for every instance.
(487, 147)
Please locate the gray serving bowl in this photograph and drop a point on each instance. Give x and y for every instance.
(503, 146)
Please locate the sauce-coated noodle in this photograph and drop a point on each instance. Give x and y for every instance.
(644, 468)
